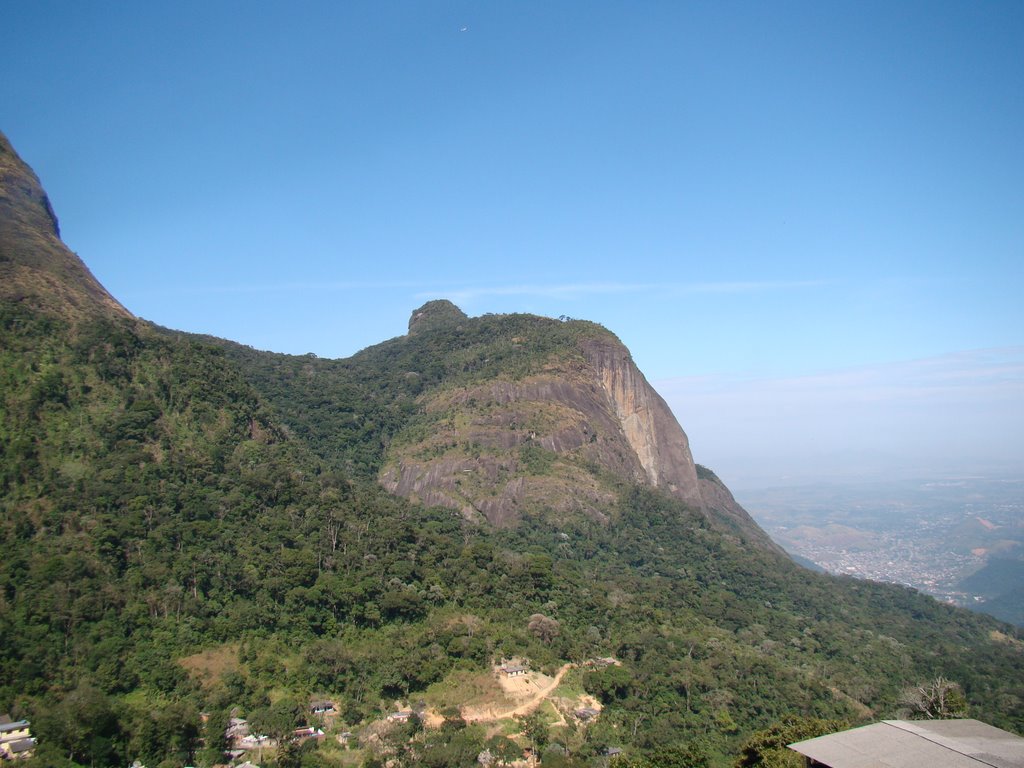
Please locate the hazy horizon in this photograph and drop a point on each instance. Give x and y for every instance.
(951, 415)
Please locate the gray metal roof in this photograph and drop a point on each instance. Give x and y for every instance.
(22, 745)
(917, 744)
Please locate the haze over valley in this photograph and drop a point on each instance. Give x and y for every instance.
(941, 536)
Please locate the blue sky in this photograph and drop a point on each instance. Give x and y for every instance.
(804, 219)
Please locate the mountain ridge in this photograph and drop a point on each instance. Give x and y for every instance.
(36, 268)
(164, 495)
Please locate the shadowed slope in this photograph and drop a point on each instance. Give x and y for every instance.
(36, 268)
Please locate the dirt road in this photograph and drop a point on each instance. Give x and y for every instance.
(524, 708)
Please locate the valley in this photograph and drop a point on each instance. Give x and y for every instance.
(929, 534)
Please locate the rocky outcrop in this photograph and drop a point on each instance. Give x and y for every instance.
(553, 443)
(646, 421)
(435, 314)
(723, 509)
(36, 268)
(505, 449)
(562, 439)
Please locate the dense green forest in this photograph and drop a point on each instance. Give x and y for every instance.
(347, 411)
(165, 495)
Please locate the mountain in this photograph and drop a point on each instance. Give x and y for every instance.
(36, 269)
(502, 417)
(192, 526)
(1001, 583)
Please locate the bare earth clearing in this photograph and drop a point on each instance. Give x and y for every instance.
(530, 690)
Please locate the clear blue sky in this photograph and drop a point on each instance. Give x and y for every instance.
(805, 219)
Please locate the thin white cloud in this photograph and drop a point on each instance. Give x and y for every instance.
(471, 293)
(747, 286)
(996, 367)
(572, 290)
(281, 288)
(559, 291)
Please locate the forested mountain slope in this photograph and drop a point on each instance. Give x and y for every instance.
(162, 496)
(501, 417)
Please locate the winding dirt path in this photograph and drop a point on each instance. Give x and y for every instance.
(526, 707)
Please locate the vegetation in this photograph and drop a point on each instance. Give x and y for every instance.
(192, 527)
(348, 411)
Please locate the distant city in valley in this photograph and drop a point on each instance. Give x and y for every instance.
(961, 540)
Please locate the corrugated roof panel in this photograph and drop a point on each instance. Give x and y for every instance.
(926, 744)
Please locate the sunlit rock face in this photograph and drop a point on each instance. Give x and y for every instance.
(555, 443)
(650, 428)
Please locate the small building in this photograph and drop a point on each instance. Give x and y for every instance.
(21, 749)
(586, 714)
(400, 717)
(916, 743)
(323, 708)
(236, 732)
(514, 670)
(16, 742)
(307, 733)
(255, 741)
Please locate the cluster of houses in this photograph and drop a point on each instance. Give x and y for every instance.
(16, 742)
(241, 740)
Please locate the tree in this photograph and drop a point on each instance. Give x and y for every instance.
(503, 750)
(289, 754)
(278, 720)
(941, 699)
(768, 748)
(85, 725)
(691, 754)
(544, 628)
(535, 729)
(609, 684)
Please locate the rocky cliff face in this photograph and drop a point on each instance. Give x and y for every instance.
(646, 422)
(36, 268)
(557, 442)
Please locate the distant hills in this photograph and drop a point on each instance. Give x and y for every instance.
(1001, 583)
(959, 539)
(192, 526)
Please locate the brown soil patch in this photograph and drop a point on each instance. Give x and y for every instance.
(210, 665)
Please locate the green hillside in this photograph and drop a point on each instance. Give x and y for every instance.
(347, 411)
(153, 507)
(192, 527)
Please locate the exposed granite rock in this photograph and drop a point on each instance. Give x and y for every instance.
(723, 508)
(647, 422)
(556, 443)
(36, 268)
